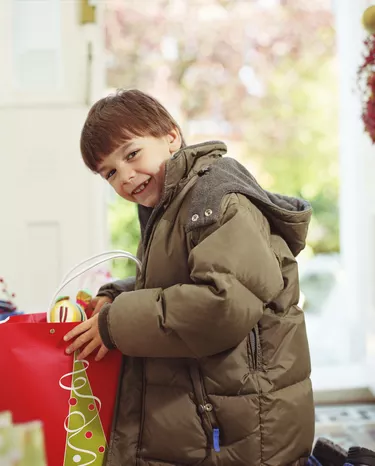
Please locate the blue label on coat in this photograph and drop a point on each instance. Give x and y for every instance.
(216, 439)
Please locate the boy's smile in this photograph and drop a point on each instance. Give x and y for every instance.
(136, 170)
(142, 187)
(143, 191)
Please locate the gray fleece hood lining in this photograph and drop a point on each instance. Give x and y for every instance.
(289, 216)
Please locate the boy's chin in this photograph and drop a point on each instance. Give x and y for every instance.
(151, 203)
(147, 204)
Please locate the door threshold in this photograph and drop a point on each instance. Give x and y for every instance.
(343, 396)
(342, 384)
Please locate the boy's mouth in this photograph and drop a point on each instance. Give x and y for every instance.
(141, 187)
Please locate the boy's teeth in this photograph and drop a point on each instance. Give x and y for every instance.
(138, 190)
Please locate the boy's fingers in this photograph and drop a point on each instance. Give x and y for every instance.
(87, 350)
(78, 342)
(83, 337)
(100, 304)
(81, 328)
(101, 353)
(92, 304)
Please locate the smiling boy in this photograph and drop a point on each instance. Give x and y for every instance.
(216, 360)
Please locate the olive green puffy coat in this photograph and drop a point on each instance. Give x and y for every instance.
(217, 364)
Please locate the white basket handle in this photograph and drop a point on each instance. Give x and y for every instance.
(110, 255)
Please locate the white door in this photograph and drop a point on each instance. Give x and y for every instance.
(52, 209)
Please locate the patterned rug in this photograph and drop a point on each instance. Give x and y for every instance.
(347, 425)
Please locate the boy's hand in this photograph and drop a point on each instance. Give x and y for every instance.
(96, 304)
(86, 333)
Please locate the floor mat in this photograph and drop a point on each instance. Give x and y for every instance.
(347, 425)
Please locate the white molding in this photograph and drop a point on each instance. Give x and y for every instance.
(345, 377)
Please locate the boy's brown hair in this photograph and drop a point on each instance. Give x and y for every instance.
(115, 119)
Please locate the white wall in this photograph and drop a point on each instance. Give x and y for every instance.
(52, 207)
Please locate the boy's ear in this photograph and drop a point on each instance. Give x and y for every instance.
(174, 140)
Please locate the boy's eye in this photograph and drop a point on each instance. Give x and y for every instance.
(132, 155)
(109, 174)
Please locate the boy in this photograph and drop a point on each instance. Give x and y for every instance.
(216, 368)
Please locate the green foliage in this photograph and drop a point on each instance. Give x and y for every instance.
(125, 234)
(259, 76)
(304, 159)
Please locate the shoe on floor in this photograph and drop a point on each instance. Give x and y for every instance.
(329, 453)
(358, 456)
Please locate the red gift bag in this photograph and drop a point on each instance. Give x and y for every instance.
(39, 381)
(73, 399)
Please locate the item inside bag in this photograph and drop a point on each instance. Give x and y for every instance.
(66, 310)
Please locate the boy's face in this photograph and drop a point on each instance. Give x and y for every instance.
(136, 169)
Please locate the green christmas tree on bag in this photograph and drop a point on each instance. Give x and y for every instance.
(85, 440)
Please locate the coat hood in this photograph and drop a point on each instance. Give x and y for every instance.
(288, 216)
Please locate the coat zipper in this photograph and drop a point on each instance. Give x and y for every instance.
(143, 395)
(205, 408)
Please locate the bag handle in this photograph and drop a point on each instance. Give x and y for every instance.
(118, 253)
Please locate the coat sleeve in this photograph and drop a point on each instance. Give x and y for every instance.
(234, 272)
(114, 289)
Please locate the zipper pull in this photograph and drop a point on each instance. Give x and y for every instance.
(216, 439)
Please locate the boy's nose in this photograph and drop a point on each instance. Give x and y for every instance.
(126, 175)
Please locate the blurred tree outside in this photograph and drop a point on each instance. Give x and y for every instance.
(257, 74)
(125, 233)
